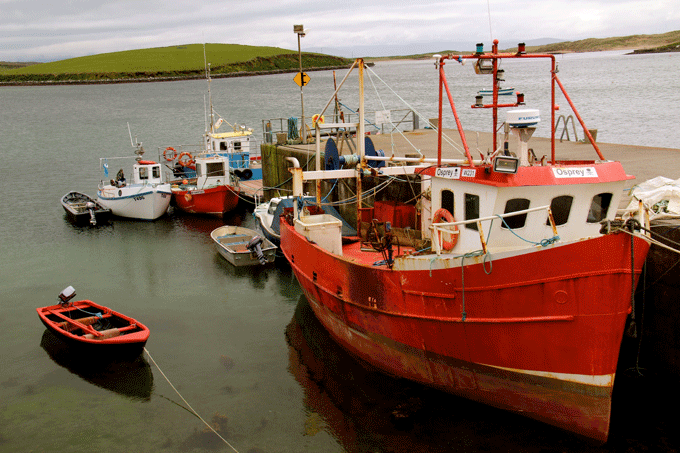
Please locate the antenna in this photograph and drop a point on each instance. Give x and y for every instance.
(207, 76)
(488, 7)
(130, 132)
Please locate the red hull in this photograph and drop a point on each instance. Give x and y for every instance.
(73, 323)
(538, 335)
(216, 200)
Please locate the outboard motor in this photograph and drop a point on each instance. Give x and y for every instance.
(66, 295)
(90, 207)
(255, 247)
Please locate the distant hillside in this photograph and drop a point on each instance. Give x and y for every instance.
(618, 43)
(168, 63)
(4, 65)
(666, 42)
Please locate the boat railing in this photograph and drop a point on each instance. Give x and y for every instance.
(165, 152)
(450, 229)
(399, 119)
(639, 213)
(565, 120)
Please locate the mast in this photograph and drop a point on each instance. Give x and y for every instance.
(361, 144)
(207, 76)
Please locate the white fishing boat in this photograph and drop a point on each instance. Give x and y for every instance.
(146, 198)
(268, 213)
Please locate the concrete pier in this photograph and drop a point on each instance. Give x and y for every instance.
(640, 161)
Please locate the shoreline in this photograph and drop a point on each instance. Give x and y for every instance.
(162, 79)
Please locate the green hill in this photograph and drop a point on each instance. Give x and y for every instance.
(176, 62)
(665, 42)
(616, 43)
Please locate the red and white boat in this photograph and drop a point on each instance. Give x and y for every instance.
(92, 328)
(521, 300)
(209, 178)
(211, 192)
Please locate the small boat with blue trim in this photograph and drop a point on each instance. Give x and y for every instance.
(501, 92)
(93, 328)
(268, 214)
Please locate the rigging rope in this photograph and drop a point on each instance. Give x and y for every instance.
(445, 137)
(185, 402)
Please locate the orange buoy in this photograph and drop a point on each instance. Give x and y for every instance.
(170, 156)
(187, 162)
(444, 214)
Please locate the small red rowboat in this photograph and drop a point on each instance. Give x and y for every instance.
(93, 327)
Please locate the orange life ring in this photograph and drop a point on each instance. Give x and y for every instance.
(170, 156)
(185, 163)
(444, 214)
(146, 162)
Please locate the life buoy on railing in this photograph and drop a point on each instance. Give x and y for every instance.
(146, 162)
(170, 156)
(447, 217)
(185, 163)
(318, 119)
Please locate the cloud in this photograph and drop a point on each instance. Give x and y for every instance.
(42, 30)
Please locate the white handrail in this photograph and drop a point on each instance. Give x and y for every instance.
(446, 227)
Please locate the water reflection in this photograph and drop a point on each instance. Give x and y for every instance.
(257, 275)
(367, 411)
(131, 378)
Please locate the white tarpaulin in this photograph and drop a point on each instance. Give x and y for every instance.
(661, 196)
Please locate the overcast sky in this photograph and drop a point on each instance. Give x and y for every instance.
(44, 30)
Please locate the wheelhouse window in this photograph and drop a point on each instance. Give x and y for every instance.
(156, 172)
(560, 207)
(237, 146)
(518, 220)
(215, 169)
(447, 201)
(223, 146)
(599, 207)
(143, 173)
(471, 210)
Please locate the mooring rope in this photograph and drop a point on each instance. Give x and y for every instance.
(188, 405)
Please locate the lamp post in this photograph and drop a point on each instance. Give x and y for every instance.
(300, 30)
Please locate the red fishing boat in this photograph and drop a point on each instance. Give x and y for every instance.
(211, 192)
(92, 328)
(516, 293)
(209, 179)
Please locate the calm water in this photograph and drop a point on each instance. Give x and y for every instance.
(242, 345)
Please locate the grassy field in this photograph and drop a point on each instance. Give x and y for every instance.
(632, 42)
(185, 61)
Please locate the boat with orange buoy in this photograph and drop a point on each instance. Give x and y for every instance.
(514, 289)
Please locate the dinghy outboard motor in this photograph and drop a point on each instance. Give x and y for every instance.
(255, 247)
(66, 295)
(90, 207)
